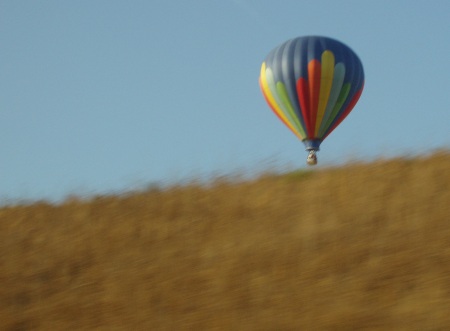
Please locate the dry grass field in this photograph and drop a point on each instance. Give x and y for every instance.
(358, 247)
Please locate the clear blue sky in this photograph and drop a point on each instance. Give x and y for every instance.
(100, 96)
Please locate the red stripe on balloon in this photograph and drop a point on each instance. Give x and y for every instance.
(314, 73)
(303, 98)
(346, 111)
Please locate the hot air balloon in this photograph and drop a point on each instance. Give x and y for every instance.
(312, 83)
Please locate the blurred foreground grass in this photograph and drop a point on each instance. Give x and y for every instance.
(361, 247)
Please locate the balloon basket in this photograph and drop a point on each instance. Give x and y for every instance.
(312, 146)
(312, 158)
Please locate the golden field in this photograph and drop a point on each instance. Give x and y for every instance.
(356, 247)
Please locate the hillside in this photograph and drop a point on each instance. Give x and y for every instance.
(359, 247)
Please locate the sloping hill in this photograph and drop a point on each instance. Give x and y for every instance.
(361, 247)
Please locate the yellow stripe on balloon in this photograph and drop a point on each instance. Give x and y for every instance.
(268, 93)
(326, 82)
(273, 103)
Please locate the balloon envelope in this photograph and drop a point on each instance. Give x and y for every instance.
(312, 83)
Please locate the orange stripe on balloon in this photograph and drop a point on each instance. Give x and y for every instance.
(347, 110)
(314, 73)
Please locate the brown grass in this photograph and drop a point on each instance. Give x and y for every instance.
(361, 247)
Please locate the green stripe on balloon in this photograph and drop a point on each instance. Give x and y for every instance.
(337, 107)
(273, 89)
(338, 80)
(284, 97)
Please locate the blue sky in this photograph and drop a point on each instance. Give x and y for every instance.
(102, 96)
